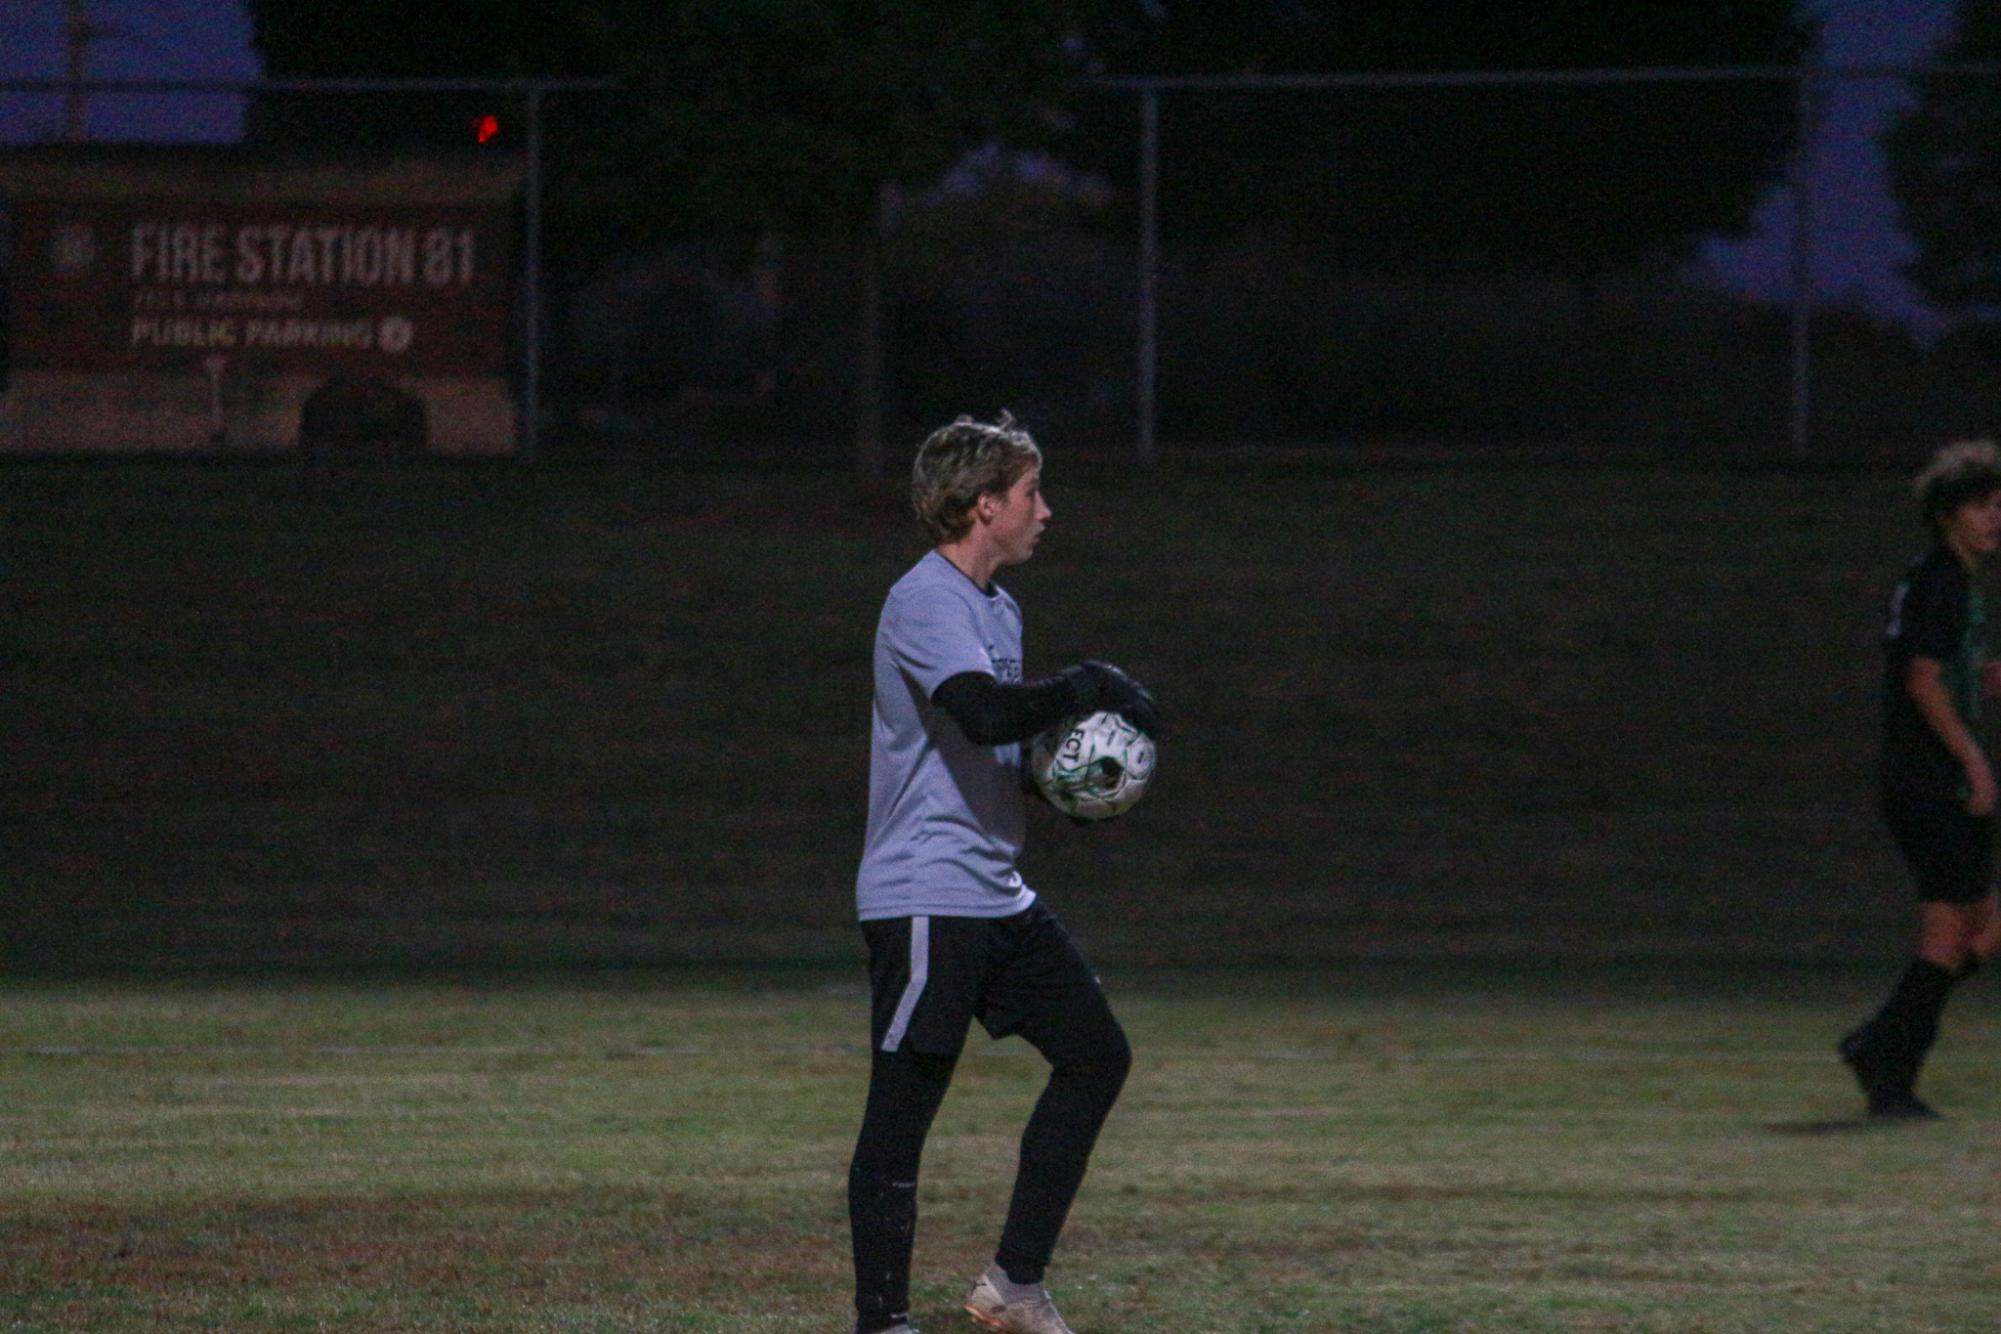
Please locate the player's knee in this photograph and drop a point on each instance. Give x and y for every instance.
(1109, 1061)
(905, 1089)
(1948, 954)
(1122, 1056)
(1100, 1057)
(1977, 938)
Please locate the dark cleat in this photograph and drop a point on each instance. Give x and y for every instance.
(1864, 1058)
(1901, 1106)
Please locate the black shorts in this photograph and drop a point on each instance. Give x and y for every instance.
(930, 977)
(1950, 853)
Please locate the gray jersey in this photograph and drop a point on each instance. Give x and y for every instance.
(946, 817)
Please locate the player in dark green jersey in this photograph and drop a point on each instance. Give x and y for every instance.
(1938, 785)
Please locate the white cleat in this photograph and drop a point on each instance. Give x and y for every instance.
(1010, 1308)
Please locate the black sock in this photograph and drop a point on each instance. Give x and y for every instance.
(1907, 1025)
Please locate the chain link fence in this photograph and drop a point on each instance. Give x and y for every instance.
(1483, 259)
(408, 713)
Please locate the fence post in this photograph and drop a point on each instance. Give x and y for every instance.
(531, 286)
(1799, 421)
(1149, 269)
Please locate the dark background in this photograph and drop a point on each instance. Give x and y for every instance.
(260, 715)
(1491, 606)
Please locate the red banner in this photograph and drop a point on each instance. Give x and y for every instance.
(422, 290)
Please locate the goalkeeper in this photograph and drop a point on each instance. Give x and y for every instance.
(953, 932)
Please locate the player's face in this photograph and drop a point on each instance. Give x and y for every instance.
(1018, 516)
(1974, 530)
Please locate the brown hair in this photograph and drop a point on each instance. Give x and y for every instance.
(1963, 471)
(958, 464)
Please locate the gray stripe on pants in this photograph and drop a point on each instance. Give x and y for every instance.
(920, 970)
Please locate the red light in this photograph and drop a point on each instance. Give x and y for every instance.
(486, 128)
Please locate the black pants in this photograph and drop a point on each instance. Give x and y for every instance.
(930, 978)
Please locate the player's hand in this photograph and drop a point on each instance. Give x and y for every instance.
(1980, 788)
(1120, 694)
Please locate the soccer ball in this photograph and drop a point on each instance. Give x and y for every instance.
(1094, 767)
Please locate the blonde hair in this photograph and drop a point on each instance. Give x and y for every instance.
(1962, 471)
(958, 464)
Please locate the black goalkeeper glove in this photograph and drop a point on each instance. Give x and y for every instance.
(1103, 686)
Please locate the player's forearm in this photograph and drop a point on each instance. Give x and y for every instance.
(993, 714)
(1925, 684)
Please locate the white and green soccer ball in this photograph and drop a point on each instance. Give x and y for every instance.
(1094, 767)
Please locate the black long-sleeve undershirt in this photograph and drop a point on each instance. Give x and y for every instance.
(993, 714)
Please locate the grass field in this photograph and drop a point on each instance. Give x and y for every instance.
(428, 902)
(293, 718)
(1368, 1147)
